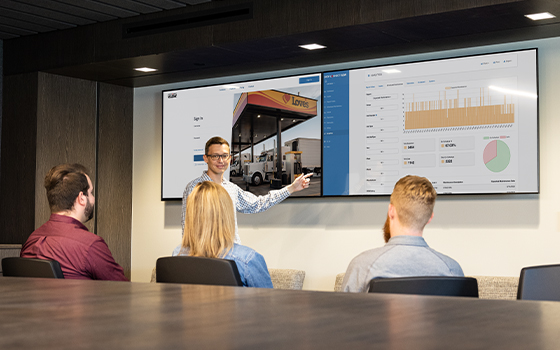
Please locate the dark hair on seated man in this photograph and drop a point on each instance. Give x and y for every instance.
(64, 238)
(63, 184)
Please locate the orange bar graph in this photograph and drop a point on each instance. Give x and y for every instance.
(445, 112)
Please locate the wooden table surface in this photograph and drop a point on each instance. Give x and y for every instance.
(71, 314)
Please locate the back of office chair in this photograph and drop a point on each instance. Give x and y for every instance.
(427, 285)
(539, 283)
(27, 267)
(197, 270)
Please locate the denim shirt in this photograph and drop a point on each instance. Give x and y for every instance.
(402, 256)
(250, 264)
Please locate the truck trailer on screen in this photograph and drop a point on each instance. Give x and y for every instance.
(310, 153)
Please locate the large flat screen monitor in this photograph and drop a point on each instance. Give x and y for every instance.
(469, 124)
(254, 117)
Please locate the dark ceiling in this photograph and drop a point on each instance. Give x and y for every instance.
(187, 40)
(28, 17)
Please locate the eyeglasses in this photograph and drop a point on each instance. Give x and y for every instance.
(215, 157)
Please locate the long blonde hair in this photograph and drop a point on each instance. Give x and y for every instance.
(209, 221)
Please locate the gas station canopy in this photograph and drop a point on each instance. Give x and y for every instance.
(257, 113)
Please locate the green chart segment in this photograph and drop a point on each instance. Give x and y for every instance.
(496, 156)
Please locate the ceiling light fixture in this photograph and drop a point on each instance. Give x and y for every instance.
(145, 69)
(539, 16)
(312, 46)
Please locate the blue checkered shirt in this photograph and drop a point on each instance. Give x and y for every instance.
(243, 201)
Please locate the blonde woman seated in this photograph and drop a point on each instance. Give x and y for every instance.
(210, 232)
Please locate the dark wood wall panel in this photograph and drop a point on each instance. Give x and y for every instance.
(19, 134)
(51, 119)
(114, 171)
(66, 131)
(1, 86)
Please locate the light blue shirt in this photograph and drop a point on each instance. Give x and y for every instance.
(402, 256)
(250, 264)
(243, 201)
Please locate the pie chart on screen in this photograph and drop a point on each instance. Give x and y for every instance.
(496, 156)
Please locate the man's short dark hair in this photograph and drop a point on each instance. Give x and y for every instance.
(64, 183)
(216, 140)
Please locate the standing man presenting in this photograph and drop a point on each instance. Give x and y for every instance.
(217, 156)
(406, 253)
(64, 238)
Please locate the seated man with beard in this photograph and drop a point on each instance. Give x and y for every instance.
(64, 238)
(406, 254)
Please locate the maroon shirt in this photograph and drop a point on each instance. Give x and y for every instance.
(81, 254)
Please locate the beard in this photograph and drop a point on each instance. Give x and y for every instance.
(88, 211)
(387, 230)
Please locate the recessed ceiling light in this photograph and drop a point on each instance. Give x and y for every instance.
(391, 71)
(145, 69)
(312, 46)
(539, 16)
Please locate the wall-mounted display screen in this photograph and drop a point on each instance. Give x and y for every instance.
(469, 124)
(254, 117)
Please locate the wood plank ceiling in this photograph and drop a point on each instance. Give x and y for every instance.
(104, 40)
(27, 17)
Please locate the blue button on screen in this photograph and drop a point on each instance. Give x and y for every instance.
(308, 80)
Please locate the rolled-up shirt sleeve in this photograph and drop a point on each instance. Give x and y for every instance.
(249, 203)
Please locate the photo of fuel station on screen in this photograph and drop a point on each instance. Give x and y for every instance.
(264, 119)
(273, 127)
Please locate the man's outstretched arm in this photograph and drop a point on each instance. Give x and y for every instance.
(248, 203)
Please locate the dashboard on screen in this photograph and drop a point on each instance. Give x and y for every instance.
(468, 124)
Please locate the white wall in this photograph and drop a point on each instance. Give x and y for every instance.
(487, 235)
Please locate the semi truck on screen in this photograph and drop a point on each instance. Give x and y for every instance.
(263, 168)
(304, 157)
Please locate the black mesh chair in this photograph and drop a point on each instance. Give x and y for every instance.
(539, 283)
(26, 267)
(428, 285)
(197, 270)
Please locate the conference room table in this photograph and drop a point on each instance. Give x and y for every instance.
(72, 314)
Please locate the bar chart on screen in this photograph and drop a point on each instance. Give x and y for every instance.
(458, 107)
(467, 124)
